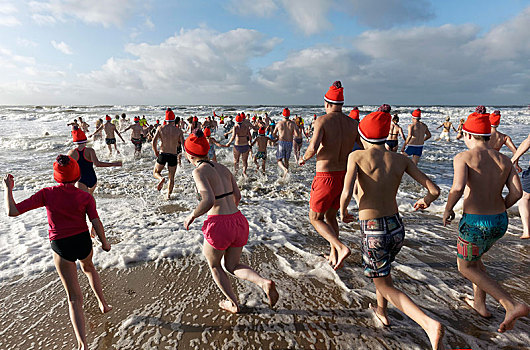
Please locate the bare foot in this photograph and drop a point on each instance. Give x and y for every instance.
(332, 257)
(161, 184)
(168, 197)
(480, 308)
(227, 305)
(527, 236)
(519, 310)
(436, 333)
(272, 293)
(343, 254)
(383, 318)
(105, 308)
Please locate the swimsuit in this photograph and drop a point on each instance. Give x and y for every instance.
(525, 180)
(110, 141)
(137, 144)
(169, 158)
(477, 233)
(284, 150)
(414, 150)
(73, 248)
(261, 155)
(326, 189)
(299, 141)
(445, 135)
(88, 175)
(242, 148)
(225, 231)
(392, 143)
(382, 239)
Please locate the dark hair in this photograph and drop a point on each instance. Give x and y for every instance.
(481, 138)
(62, 160)
(177, 120)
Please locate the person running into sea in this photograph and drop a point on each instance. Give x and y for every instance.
(418, 133)
(332, 141)
(110, 138)
(97, 135)
(498, 139)
(480, 174)
(446, 132)
(395, 131)
(241, 139)
(524, 202)
(83, 125)
(67, 208)
(459, 132)
(170, 138)
(136, 136)
(284, 133)
(298, 138)
(212, 142)
(226, 229)
(262, 142)
(378, 172)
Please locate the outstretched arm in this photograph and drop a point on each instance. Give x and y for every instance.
(10, 204)
(100, 163)
(97, 130)
(117, 132)
(459, 184)
(347, 190)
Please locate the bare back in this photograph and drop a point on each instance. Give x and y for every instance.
(169, 136)
(285, 129)
(497, 139)
(136, 131)
(219, 180)
(417, 131)
(109, 130)
(394, 132)
(242, 134)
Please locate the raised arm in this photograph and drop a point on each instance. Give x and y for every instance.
(10, 204)
(347, 190)
(459, 185)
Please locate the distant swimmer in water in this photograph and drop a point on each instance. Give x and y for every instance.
(284, 132)
(447, 125)
(498, 139)
(524, 203)
(110, 138)
(213, 142)
(459, 132)
(170, 140)
(226, 229)
(333, 139)
(379, 172)
(418, 133)
(67, 208)
(395, 131)
(241, 138)
(480, 174)
(137, 132)
(261, 154)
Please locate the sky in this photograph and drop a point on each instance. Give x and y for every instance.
(268, 52)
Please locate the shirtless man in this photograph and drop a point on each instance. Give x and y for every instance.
(266, 119)
(378, 173)
(524, 203)
(395, 131)
(170, 138)
(498, 139)
(418, 133)
(241, 139)
(110, 138)
(480, 174)
(136, 136)
(447, 125)
(284, 132)
(83, 125)
(332, 141)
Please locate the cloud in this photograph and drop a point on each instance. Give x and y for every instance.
(259, 8)
(309, 15)
(7, 18)
(62, 46)
(26, 43)
(149, 24)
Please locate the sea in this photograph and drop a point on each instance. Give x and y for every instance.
(318, 307)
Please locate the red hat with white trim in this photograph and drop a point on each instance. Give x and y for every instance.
(78, 136)
(376, 125)
(170, 116)
(239, 118)
(196, 144)
(335, 93)
(416, 113)
(207, 132)
(66, 169)
(195, 119)
(286, 112)
(354, 114)
(495, 118)
(478, 123)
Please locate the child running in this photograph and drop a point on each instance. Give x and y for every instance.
(67, 208)
(262, 142)
(378, 172)
(212, 142)
(226, 229)
(482, 173)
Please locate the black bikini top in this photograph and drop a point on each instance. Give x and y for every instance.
(221, 195)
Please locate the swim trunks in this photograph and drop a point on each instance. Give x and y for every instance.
(143, 139)
(382, 239)
(261, 155)
(326, 189)
(242, 148)
(477, 233)
(445, 135)
(169, 158)
(225, 231)
(110, 141)
(88, 175)
(525, 180)
(73, 248)
(284, 150)
(298, 141)
(414, 150)
(137, 144)
(392, 143)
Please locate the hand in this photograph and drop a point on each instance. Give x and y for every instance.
(449, 215)
(346, 217)
(119, 163)
(517, 167)
(106, 246)
(188, 221)
(420, 204)
(9, 181)
(301, 161)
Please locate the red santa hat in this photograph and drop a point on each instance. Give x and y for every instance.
(335, 93)
(66, 169)
(478, 124)
(107, 117)
(170, 116)
(416, 113)
(196, 144)
(354, 114)
(207, 132)
(375, 126)
(286, 112)
(195, 119)
(495, 118)
(261, 131)
(78, 136)
(239, 118)
(254, 118)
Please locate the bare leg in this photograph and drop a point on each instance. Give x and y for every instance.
(157, 175)
(282, 166)
(329, 229)
(236, 161)
(67, 271)
(524, 211)
(479, 297)
(245, 162)
(381, 309)
(232, 264)
(110, 149)
(472, 270)
(263, 165)
(95, 282)
(415, 159)
(172, 170)
(400, 300)
(116, 148)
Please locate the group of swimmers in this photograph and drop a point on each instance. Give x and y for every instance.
(372, 174)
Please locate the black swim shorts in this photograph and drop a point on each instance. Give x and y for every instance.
(73, 248)
(110, 141)
(169, 158)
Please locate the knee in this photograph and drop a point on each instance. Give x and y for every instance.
(88, 267)
(463, 268)
(75, 298)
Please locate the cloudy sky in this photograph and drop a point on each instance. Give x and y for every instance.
(282, 52)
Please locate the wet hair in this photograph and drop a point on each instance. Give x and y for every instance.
(62, 160)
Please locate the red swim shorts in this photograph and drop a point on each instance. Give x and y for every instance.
(225, 231)
(326, 190)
